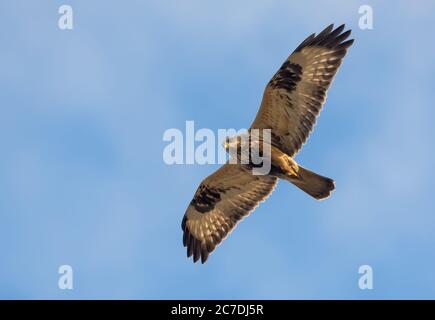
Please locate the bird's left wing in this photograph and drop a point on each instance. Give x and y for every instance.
(293, 98)
(220, 202)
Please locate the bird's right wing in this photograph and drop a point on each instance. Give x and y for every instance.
(220, 202)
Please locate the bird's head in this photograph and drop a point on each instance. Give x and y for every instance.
(237, 145)
(232, 142)
(227, 143)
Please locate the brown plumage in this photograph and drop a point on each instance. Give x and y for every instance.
(291, 103)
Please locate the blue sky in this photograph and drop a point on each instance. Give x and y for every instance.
(83, 183)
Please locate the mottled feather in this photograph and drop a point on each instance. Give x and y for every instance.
(220, 202)
(295, 95)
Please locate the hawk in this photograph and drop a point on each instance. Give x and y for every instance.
(291, 102)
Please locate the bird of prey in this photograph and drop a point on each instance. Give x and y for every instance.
(291, 102)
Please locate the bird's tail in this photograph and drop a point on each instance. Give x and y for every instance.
(315, 185)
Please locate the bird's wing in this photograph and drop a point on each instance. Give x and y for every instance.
(220, 202)
(294, 96)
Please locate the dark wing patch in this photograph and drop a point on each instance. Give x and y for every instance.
(206, 197)
(295, 95)
(287, 76)
(221, 201)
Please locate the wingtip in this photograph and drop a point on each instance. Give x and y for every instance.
(339, 29)
(325, 31)
(195, 248)
(204, 259)
(346, 44)
(330, 27)
(328, 37)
